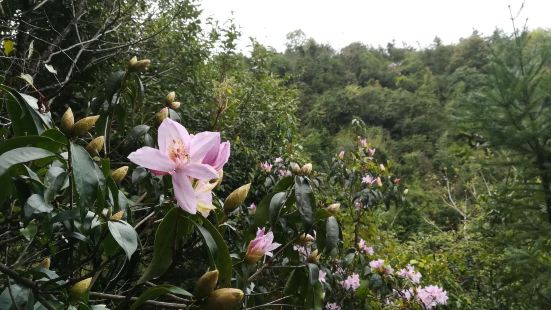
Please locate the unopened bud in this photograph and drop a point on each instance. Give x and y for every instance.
(206, 284)
(174, 105)
(406, 191)
(161, 115)
(334, 208)
(314, 257)
(138, 65)
(96, 145)
(305, 239)
(382, 167)
(295, 168)
(45, 263)
(80, 288)
(224, 298)
(236, 198)
(67, 121)
(306, 169)
(132, 61)
(119, 174)
(117, 216)
(84, 125)
(170, 97)
(379, 182)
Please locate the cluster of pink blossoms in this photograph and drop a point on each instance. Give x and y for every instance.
(351, 283)
(332, 306)
(266, 167)
(432, 296)
(364, 248)
(410, 274)
(379, 265)
(191, 160)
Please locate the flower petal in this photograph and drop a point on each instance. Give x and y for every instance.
(184, 193)
(202, 143)
(169, 130)
(199, 171)
(152, 159)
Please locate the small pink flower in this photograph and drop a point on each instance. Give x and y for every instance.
(283, 172)
(278, 160)
(371, 151)
(410, 274)
(407, 294)
(332, 306)
(369, 180)
(363, 142)
(377, 264)
(261, 245)
(364, 248)
(252, 208)
(432, 296)
(266, 167)
(185, 157)
(341, 155)
(396, 181)
(301, 250)
(351, 283)
(322, 275)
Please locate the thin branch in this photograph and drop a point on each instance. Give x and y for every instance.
(149, 302)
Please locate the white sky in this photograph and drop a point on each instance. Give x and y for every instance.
(374, 22)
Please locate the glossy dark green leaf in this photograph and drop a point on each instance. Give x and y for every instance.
(262, 213)
(22, 155)
(305, 201)
(37, 204)
(35, 141)
(24, 115)
(275, 206)
(158, 291)
(125, 235)
(164, 244)
(313, 273)
(113, 85)
(331, 235)
(218, 251)
(85, 175)
(283, 184)
(55, 180)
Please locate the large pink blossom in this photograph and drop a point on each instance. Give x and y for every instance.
(352, 282)
(261, 245)
(432, 296)
(184, 156)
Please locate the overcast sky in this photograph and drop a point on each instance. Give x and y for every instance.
(374, 22)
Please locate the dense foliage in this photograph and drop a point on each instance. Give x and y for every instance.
(146, 163)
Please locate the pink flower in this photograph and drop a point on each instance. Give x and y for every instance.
(407, 294)
(266, 167)
(363, 142)
(218, 155)
(322, 275)
(364, 248)
(261, 245)
(352, 282)
(371, 151)
(377, 264)
(332, 306)
(301, 250)
(396, 181)
(341, 155)
(432, 295)
(283, 172)
(203, 195)
(181, 155)
(369, 180)
(252, 208)
(278, 160)
(410, 274)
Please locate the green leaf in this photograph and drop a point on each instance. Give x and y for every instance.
(113, 85)
(86, 177)
(164, 244)
(275, 206)
(331, 234)
(218, 251)
(30, 231)
(35, 141)
(313, 273)
(24, 115)
(37, 204)
(158, 291)
(55, 179)
(125, 235)
(262, 210)
(283, 184)
(305, 201)
(21, 155)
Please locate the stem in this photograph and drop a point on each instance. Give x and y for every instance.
(149, 302)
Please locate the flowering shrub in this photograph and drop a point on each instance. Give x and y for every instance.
(118, 239)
